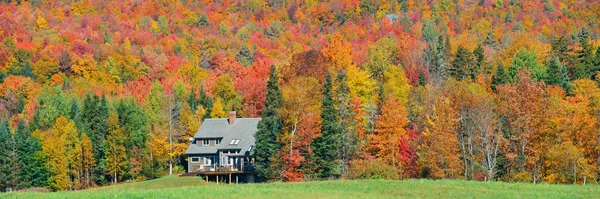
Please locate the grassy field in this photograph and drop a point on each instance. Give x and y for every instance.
(190, 187)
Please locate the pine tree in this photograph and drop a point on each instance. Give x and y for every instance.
(585, 56)
(462, 66)
(557, 74)
(327, 145)
(499, 78)
(479, 62)
(193, 101)
(6, 145)
(203, 20)
(348, 137)
(269, 128)
(245, 56)
(95, 120)
(31, 167)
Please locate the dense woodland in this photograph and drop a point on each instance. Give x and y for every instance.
(95, 92)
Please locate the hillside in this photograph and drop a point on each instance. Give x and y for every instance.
(176, 187)
(97, 92)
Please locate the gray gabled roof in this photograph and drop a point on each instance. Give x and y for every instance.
(242, 128)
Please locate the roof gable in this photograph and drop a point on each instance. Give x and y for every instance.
(242, 131)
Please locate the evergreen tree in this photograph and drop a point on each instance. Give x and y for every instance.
(327, 145)
(203, 20)
(245, 56)
(269, 128)
(479, 65)
(95, 121)
(462, 66)
(208, 107)
(6, 158)
(557, 74)
(585, 57)
(500, 77)
(422, 80)
(348, 137)
(192, 100)
(32, 172)
(436, 55)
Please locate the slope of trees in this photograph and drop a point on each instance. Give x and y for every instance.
(97, 92)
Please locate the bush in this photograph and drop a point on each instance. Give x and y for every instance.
(372, 169)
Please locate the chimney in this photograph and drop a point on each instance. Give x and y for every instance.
(232, 116)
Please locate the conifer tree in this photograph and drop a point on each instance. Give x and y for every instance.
(32, 172)
(327, 145)
(245, 56)
(557, 74)
(462, 66)
(500, 77)
(269, 128)
(348, 137)
(6, 145)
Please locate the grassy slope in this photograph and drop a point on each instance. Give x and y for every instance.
(189, 187)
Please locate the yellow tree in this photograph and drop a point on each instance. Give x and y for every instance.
(217, 109)
(390, 130)
(439, 151)
(58, 148)
(396, 83)
(87, 161)
(116, 158)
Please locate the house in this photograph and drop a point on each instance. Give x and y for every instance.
(222, 148)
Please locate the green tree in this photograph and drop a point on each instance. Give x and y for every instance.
(6, 156)
(526, 59)
(558, 74)
(327, 145)
(269, 128)
(462, 66)
(32, 172)
(203, 20)
(245, 56)
(94, 117)
(479, 62)
(500, 77)
(348, 136)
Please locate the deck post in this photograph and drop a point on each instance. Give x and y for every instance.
(236, 178)
(229, 178)
(206, 177)
(217, 178)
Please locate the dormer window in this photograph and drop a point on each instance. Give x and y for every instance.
(205, 142)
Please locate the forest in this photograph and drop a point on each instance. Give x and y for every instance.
(96, 92)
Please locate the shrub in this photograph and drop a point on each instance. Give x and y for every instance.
(372, 169)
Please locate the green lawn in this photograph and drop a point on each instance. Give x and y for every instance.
(190, 187)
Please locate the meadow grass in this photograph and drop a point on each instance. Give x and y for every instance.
(190, 187)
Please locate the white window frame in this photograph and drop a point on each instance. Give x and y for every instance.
(237, 141)
(232, 141)
(218, 141)
(207, 161)
(197, 161)
(226, 162)
(205, 142)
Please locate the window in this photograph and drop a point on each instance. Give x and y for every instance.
(205, 142)
(218, 141)
(234, 142)
(224, 161)
(195, 159)
(207, 161)
(250, 149)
